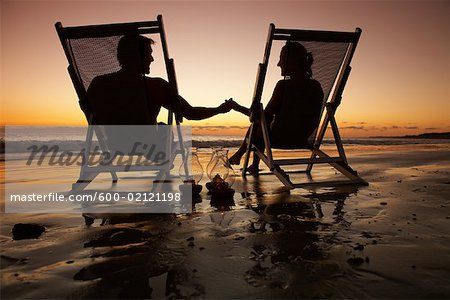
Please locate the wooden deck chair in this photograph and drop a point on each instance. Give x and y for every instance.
(91, 51)
(332, 52)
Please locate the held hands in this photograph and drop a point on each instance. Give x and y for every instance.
(227, 105)
(231, 104)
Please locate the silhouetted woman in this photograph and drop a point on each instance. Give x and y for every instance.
(294, 109)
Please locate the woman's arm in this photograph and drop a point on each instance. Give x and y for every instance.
(160, 91)
(200, 113)
(241, 109)
(272, 106)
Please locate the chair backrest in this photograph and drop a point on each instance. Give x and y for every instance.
(92, 53)
(332, 53)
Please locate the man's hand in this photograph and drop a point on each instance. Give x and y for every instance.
(227, 106)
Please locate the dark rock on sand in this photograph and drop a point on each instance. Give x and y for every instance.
(120, 237)
(359, 247)
(84, 274)
(355, 261)
(367, 234)
(22, 231)
(88, 220)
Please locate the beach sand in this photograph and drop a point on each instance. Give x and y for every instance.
(390, 239)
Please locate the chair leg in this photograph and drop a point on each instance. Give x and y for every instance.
(114, 177)
(247, 152)
(283, 177)
(83, 182)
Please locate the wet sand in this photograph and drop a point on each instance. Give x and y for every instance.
(390, 239)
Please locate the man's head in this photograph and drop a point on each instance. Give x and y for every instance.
(134, 53)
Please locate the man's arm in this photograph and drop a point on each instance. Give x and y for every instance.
(160, 91)
(200, 113)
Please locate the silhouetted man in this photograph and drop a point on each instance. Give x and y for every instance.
(128, 97)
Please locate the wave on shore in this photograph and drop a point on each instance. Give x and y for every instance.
(18, 146)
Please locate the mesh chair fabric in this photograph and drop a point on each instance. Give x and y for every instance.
(328, 59)
(117, 100)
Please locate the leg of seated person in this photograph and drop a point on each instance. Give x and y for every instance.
(235, 159)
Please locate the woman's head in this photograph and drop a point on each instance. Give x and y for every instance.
(134, 52)
(295, 60)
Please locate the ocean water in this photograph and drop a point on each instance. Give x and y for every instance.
(19, 138)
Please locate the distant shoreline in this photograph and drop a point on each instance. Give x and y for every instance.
(432, 135)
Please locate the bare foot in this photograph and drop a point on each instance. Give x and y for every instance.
(253, 170)
(235, 159)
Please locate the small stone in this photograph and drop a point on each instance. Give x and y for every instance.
(374, 242)
(366, 234)
(190, 238)
(22, 231)
(70, 262)
(383, 203)
(88, 220)
(359, 247)
(399, 181)
(355, 261)
(16, 275)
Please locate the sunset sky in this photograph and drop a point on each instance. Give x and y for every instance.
(400, 83)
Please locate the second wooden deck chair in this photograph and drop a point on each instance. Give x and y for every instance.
(332, 52)
(92, 51)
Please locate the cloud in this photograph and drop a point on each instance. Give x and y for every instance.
(219, 127)
(355, 123)
(354, 127)
(383, 128)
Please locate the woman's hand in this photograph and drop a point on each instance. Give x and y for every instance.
(227, 106)
(239, 108)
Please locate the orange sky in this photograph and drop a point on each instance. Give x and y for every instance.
(399, 83)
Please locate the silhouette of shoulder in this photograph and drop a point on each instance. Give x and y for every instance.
(159, 91)
(119, 98)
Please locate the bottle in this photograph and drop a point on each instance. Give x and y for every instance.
(191, 170)
(212, 161)
(222, 170)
